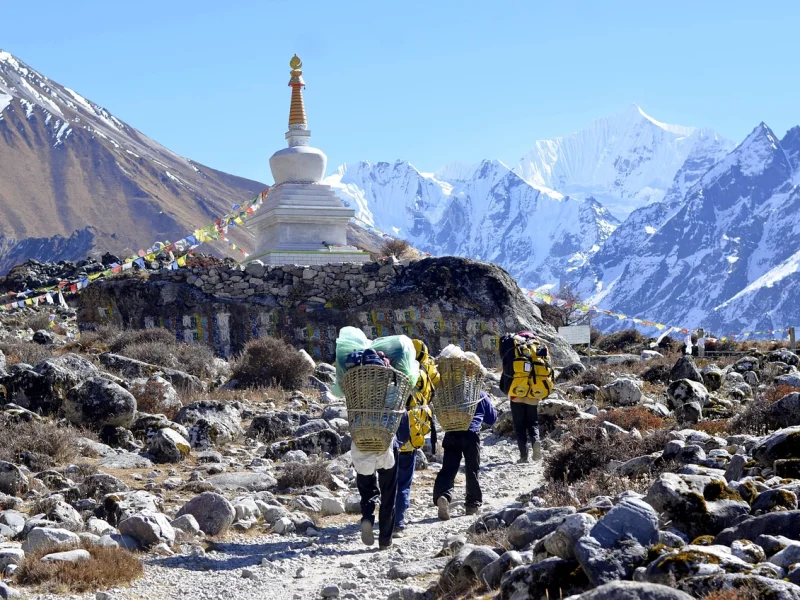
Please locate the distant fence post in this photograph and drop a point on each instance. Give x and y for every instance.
(792, 341)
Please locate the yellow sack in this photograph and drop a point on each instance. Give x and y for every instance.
(420, 419)
(532, 375)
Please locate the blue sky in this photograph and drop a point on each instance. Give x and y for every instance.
(429, 82)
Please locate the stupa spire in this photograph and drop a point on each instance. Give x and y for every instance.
(298, 133)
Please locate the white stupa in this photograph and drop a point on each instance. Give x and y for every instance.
(302, 221)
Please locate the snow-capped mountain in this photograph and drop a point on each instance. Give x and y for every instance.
(624, 161)
(485, 211)
(725, 257)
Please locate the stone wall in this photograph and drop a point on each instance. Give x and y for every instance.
(441, 300)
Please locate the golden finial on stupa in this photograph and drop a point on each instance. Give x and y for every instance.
(297, 111)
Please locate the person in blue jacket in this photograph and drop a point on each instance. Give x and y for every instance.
(376, 480)
(466, 444)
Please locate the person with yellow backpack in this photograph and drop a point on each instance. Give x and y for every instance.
(527, 378)
(420, 420)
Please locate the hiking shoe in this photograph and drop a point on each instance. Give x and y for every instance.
(398, 533)
(522, 459)
(471, 510)
(384, 547)
(367, 535)
(536, 451)
(443, 504)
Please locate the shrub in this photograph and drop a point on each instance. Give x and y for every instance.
(590, 448)
(620, 340)
(640, 418)
(41, 437)
(98, 340)
(775, 392)
(107, 567)
(598, 376)
(154, 353)
(715, 427)
(131, 337)
(582, 492)
(37, 322)
(271, 361)
(754, 419)
(299, 475)
(29, 353)
(657, 373)
(396, 248)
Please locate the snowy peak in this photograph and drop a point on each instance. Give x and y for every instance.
(625, 160)
(760, 153)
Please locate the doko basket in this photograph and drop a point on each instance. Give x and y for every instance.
(376, 400)
(458, 393)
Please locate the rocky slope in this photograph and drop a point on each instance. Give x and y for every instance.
(68, 163)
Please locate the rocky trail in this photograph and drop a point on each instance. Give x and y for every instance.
(334, 562)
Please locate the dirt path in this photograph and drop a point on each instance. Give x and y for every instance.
(299, 567)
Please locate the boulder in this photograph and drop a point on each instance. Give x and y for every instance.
(746, 364)
(633, 590)
(326, 441)
(557, 409)
(561, 542)
(571, 371)
(754, 586)
(246, 480)
(186, 524)
(312, 426)
(791, 379)
(606, 564)
(12, 481)
(168, 446)
(631, 518)
(494, 571)
(12, 523)
(785, 356)
(691, 413)
(685, 368)
(785, 412)
(337, 411)
(693, 560)
(772, 500)
(273, 425)
(214, 514)
(682, 391)
(100, 484)
(748, 551)
(782, 444)
(119, 506)
(696, 504)
(68, 556)
(536, 524)
(133, 368)
(65, 516)
(53, 538)
(157, 394)
(622, 392)
(148, 529)
(549, 578)
(712, 379)
(96, 402)
(44, 388)
(224, 418)
(778, 523)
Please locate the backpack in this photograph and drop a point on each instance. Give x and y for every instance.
(526, 369)
(420, 417)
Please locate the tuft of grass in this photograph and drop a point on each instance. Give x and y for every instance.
(621, 341)
(588, 448)
(19, 351)
(597, 483)
(754, 419)
(299, 475)
(132, 337)
(107, 567)
(712, 427)
(37, 322)
(775, 392)
(497, 538)
(640, 418)
(41, 437)
(271, 361)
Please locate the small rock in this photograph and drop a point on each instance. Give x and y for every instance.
(249, 574)
(70, 556)
(330, 591)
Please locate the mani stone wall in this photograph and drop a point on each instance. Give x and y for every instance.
(440, 300)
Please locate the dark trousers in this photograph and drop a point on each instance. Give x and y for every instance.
(405, 475)
(380, 488)
(458, 444)
(526, 424)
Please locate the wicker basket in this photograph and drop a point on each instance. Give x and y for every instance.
(376, 400)
(458, 393)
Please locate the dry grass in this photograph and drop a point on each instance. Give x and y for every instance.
(26, 352)
(589, 448)
(397, 248)
(746, 593)
(497, 538)
(298, 475)
(716, 427)
(599, 376)
(621, 341)
(37, 322)
(42, 441)
(597, 483)
(635, 417)
(775, 392)
(754, 419)
(271, 361)
(107, 567)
